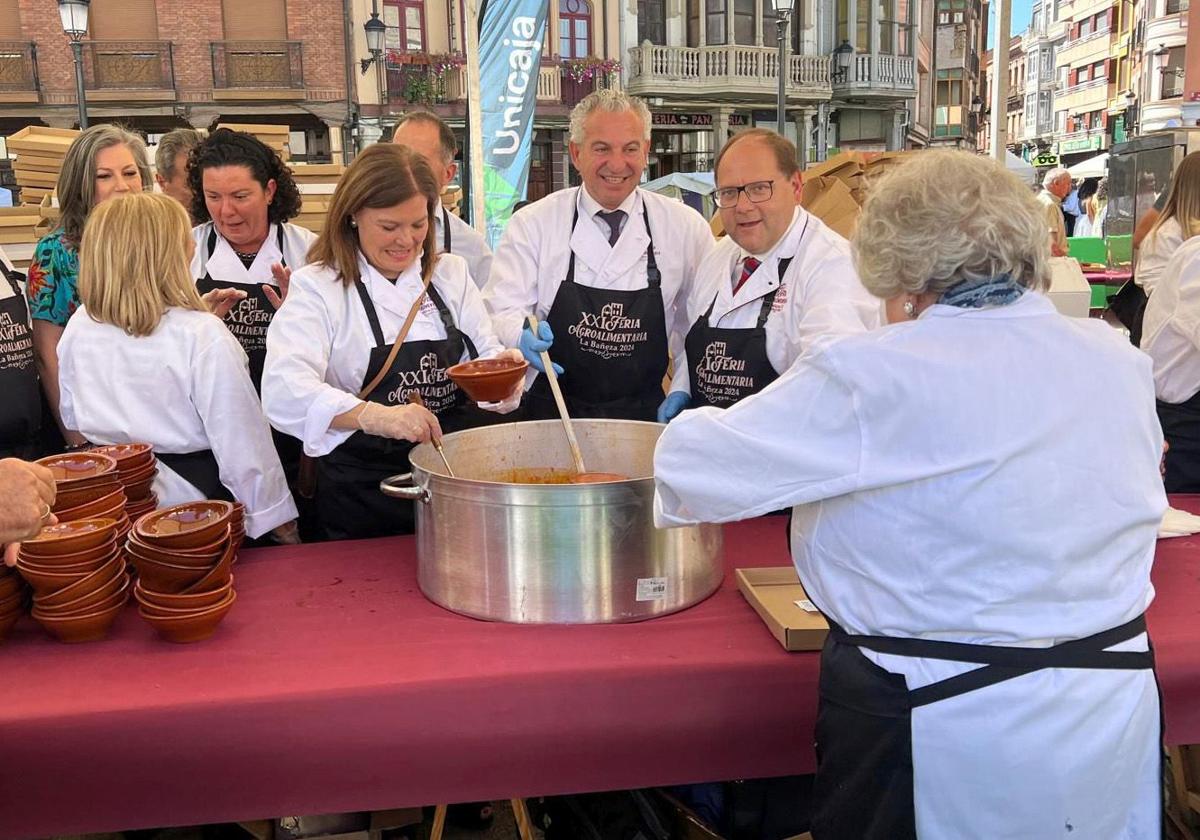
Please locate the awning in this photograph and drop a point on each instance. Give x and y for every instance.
(1093, 167)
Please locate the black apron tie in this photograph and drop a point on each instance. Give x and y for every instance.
(199, 469)
(445, 230)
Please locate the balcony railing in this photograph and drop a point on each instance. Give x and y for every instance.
(128, 65)
(18, 67)
(724, 71)
(268, 65)
(421, 84)
(886, 74)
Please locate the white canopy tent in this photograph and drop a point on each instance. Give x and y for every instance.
(1093, 167)
(1023, 169)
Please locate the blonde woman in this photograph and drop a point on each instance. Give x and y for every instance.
(1179, 221)
(144, 360)
(975, 558)
(104, 162)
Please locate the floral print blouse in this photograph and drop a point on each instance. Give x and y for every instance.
(52, 276)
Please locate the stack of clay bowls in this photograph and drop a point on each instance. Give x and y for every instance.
(77, 571)
(183, 555)
(12, 599)
(136, 468)
(88, 487)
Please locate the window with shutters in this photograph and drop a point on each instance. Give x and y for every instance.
(405, 22)
(256, 52)
(261, 20)
(575, 28)
(123, 20)
(10, 20)
(124, 50)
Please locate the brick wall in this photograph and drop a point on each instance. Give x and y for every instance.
(318, 24)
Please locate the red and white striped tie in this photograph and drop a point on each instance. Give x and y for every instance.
(747, 269)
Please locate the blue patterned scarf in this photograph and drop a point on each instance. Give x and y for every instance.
(977, 294)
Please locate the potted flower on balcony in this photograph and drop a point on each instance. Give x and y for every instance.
(594, 70)
(420, 78)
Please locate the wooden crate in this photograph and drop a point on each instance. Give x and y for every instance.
(44, 142)
(35, 179)
(38, 163)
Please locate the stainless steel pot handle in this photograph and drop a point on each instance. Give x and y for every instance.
(401, 487)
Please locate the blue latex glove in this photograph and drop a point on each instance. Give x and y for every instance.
(675, 402)
(532, 346)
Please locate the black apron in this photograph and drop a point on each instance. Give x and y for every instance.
(864, 782)
(612, 345)
(349, 502)
(249, 319)
(200, 470)
(1181, 429)
(21, 405)
(729, 365)
(445, 231)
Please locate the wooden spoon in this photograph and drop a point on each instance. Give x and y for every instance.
(552, 377)
(414, 397)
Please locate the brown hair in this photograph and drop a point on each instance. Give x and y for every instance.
(1183, 202)
(133, 262)
(77, 179)
(784, 149)
(384, 175)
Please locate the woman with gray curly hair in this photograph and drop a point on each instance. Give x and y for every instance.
(975, 558)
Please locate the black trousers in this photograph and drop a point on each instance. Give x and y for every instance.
(1181, 428)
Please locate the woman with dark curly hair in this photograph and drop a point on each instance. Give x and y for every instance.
(243, 196)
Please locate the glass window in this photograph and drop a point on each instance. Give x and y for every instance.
(405, 22)
(1083, 74)
(574, 28)
(743, 21)
(1172, 73)
(862, 25)
(693, 23)
(1085, 27)
(904, 14)
(886, 25)
(715, 22)
(652, 21)
(843, 21)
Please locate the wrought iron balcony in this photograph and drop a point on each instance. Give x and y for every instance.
(724, 73)
(878, 75)
(244, 66)
(18, 72)
(128, 66)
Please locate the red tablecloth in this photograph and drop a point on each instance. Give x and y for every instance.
(1113, 276)
(334, 686)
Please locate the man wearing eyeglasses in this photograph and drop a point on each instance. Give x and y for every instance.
(606, 268)
(779, 282)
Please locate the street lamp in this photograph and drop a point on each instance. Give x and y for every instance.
(783, 8)
(840, 70)
(375, 29)
(74, 15)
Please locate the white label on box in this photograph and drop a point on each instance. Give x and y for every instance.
(807, 605)
(651, 589)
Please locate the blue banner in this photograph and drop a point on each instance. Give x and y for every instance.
(510, 52)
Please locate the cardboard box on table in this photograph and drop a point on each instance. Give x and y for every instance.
(1069, 290)
(776, 593)
(831, 201)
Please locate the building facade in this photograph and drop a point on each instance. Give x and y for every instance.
(1163, 53)
(1014, 105)
(423, 66)
(1087, 79)
(160, 65)
(959, 32)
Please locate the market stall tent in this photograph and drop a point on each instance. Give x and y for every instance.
(1023, 169)
(692, 188)
(1093, 167)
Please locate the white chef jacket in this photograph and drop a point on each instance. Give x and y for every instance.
(467, 243)
(531, 260)
(820, 297)
(319, 345)
(183, 388)
(1171, 326)
(224, 266)
(1156, 252)
(946, 484)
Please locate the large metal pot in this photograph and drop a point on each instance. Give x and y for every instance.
(552, 553)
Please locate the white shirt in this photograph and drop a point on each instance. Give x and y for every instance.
(1171, 328)
(183, 388)
(319, 345)
(468, 243)
(225, 266)
(1156, 252)
(946, 485)
(531, 260)
(820, 297)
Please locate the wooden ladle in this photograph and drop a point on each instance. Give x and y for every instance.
(414, 397)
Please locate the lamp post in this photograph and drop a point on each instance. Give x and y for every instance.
(375, 29)
(74, 15)
(783, 8)
(976, 110)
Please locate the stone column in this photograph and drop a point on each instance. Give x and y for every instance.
(720, 129)
(804, 132)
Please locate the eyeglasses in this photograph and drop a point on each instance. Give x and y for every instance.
(756, 191)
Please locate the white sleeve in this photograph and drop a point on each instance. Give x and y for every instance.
(698, 245)
(295, 395)
(796, 441)
(833, 303)
(511, 292)
(481, 266)
(238, 434)
(473, 318)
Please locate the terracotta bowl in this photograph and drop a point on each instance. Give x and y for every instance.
(185, 526)
(167, 604)
(69, 497)
(88, 627)
(138, 472)
(488, 380)
(13, 603)
(78, 466)
(70, 537)
(104, 580)
(194, 627)
(129, 456)
(7, 620)
(201, 556)
(217, 576)
(141, 489)
(10, 585)
(166, 577)
(65, 562)
(88, 604)
(48, 580)
(95, 508)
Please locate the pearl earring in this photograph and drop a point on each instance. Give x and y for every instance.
(353, 223)
(910, 309)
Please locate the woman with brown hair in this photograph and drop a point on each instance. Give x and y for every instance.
(373, 271)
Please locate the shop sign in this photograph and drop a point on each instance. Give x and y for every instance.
(661, 119)
(1045, 159)
(1083, 144)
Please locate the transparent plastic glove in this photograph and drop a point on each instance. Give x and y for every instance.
(533, 346)
(675, 402)
(510, 403)
(400, 422)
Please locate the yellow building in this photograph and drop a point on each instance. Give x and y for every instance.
(1087, 79)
